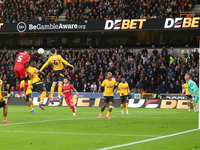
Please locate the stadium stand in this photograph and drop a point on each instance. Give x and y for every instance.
(12, 11)
(126, 9)
(144, 72)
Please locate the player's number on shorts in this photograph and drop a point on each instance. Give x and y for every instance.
(19, 59)
(55, 63)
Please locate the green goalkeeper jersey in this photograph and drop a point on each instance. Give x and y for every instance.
(192, 87)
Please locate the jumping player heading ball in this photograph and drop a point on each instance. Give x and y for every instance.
(21, 64)
(58, 71)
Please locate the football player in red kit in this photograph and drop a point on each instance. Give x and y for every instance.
(20, 70)
(66, 88)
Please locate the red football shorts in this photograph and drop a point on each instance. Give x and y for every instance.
(20, 71)
(68, 101)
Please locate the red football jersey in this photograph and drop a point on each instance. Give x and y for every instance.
(67, 90)
(22, 58)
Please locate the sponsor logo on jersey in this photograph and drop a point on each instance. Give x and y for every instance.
(66, 90)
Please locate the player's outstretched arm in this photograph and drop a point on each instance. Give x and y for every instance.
(63, 95)
(44, 66)
(40, 72)
(183, 91)
(26, 64)
(100, 88)
(66, 63)
(118, 91)
(76, 91)
(128, 91)
(116, 86)
(102, 85)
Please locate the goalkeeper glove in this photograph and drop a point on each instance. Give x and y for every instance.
(193, 98)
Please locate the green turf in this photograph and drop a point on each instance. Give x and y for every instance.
(57, 129)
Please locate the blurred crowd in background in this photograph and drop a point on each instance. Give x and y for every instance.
(144, 72)
(13, 11)
(127, 9)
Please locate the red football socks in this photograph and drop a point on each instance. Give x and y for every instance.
(73, 109)
(18, 88)
(25, 87)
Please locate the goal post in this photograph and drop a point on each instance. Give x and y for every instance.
(199, 82)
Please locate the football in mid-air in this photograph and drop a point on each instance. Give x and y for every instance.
(40, 51)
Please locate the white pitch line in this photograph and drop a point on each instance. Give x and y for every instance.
(98, 134)
(17, 123)
(7, 124)
(143, 141)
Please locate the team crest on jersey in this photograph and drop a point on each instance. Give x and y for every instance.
(191, 84)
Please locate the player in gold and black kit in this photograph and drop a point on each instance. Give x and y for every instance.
(124, 91)
(38, 85)
(108, 84)
(28, 97)
(58, 71)
(3, 104)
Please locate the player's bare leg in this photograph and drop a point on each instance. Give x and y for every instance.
(5, 112)
(188, 103)
(193, 103)
(60, 90)
(109, 110)
(30, 105)
(122, 106)
(197, 109)
(42, 96)
(126, 102)
(102, 110)
(6, 100)
(52, 91)
(73, 109)
(18, 87)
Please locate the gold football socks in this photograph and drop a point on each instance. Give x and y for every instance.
(126, 107)
(59, 90)
(108, 114)
(122, 105)
(52, 91)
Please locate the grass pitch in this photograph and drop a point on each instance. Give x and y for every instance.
(56, 129)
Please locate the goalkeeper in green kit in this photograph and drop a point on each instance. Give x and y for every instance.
(194, 90)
